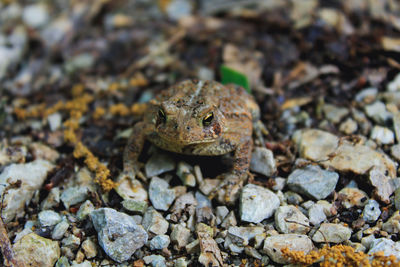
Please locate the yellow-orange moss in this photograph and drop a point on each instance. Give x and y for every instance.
(138, 80)
(138, 109)
(98, 113)
(339, 255)
(119, 109)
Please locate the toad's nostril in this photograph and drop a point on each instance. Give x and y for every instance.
(176, 126)
(188, 128)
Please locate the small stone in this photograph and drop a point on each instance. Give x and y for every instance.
(59, 230)
(41, 151)
(371, 211)
(73, 242)
(180, 235)
(54, 121)
(257, 203)
(273, 246)
(36, 251)
(279, 184)
(48, 218)
(35, 15)
(63, 262)
(90, 248)
(316, 214)
(290, 220)
(82, 264)
(395, 152)
(329, 208)
(292, 198)
(74, 195)
(367, 241)
(382, 135)
(313, 181)
(181, 262)
(397, 198)
(155, 260)
(185, 173)
(230, 220)
(31, 176)
(315, 144)
(84, 210)
(158, 164)
(160, 196)
(221, 212)
(385, 245)
(262, 161)
(394, 85)
(378, 112)
(392, 226)
(349, 126)
(52, 200)
(135, 206)
(208, 185)
(333, 113)
(159, 242)
(382, 184)
(118, 233)
(332, 233)
(130, 188)
(79, 62)
(154, 222)
(241, 236)
(367, 95)
(183, 208)
(351, 197)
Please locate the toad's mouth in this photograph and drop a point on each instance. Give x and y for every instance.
(182, 141)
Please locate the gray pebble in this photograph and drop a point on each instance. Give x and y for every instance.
(262, 161)
(59, 230)
(290, 220)
(316, 214)
(388, 246)
(48, 218)
(154, 222)
(313, 181)
(160, 195)
(371, 211)
(155, 260)
(159, 242)
(158, 164)
(118, 233)
(332, 233)
(74, 195)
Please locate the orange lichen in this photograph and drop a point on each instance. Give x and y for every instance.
(138, 109)
(119, 109)
(98, 113)
(339, 255)
(138, 80)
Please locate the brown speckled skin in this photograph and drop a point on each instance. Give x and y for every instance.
(185, 105)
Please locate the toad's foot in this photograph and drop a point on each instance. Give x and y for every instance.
(132, 171)
(228, 190)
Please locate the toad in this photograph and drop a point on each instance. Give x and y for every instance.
(199, 118)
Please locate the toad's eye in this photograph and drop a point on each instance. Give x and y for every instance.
(161, 115)
(208, 119)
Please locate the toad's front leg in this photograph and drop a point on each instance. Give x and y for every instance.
(133, 149)
(229, 188)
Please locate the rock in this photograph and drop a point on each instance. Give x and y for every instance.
(257, 203)
(385, 245)
(316, 214)
(371, 211)
(367, 95)
(262, 161)
(35, 15)
(181, 262)
(135, 206)
(31, 175)
(210, 254)
(48, 218)
(41, 151)
(72, 242)
(59, 230)
(84, 210)
(367, 241)
(383, 185)
(329, 208)
(279, 184)
(394, 85)
(130, 189)
(396, 124)
(382, 135)
(52, 200)
(313, 181)
(290, 220)
(180, 235)
(158, 164)
(82, 264)
(183, 208)
(397, 198)
(332, 233)
(221, 212)
(154, 222)
(185, 173)
(159, 242)
(333, 113)
(377, 111)
(242, 236)
(74, 195)
(54, 121)
(36, 251)
(294, 242)
(395, 152)
(292, 198)
(79, 62)
(349, 126)
(90, 248)
(63, 262)
(392, 226)
(56, 31)
(351, 197)
(155, 260)
(324, 147)
(160, 196)
(118, 233)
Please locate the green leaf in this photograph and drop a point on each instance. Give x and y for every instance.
(229, 75)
